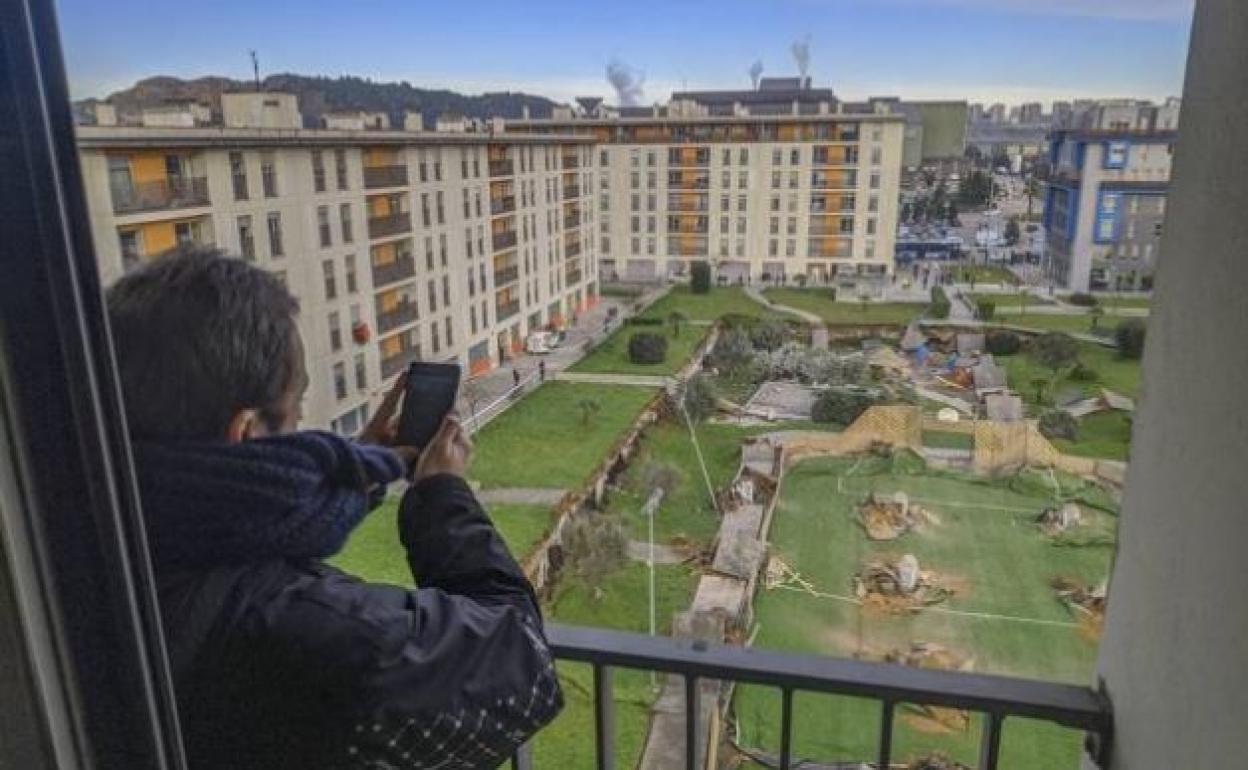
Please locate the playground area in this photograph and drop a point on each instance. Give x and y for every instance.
(880, 557)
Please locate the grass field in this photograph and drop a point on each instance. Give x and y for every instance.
(985, 544)
(817, 301)
(1009, 299)
(1110, 300)
(1059, 322)
(612, 355)
(719, 301)
(1102, 435)
(982, 274)
(947, 439)
(1113, 372)
(543, 442)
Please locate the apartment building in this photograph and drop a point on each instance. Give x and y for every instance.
(1105, 206)
(399, 245)
(769, 184)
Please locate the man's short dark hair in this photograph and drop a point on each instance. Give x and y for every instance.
(198, 337)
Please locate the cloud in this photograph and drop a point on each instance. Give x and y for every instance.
(1137, 10)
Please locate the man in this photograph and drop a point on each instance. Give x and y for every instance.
(279, 660)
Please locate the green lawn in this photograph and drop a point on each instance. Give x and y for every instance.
(719, 301)
(1103, 435)
(947, 439)
(1003, 565)
(568, 741)
(1059, 322)
(1118, 374)
(1009, 299)
(612, 355)
(982, 274)
(543, 442)
(818, 302)
(1111, 300)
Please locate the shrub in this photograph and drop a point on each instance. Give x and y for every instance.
(985, 309)
(769, 335)
(700, 277)
(1002, 343)
(733, 351)
(832, 294)
(1130, 338)
(940, 303)
(1055, 350)
(595, 544)
(699, 396)
(1083, 373)
(841, 405)
(643, 321)
(647, 348)
(1082, 299)
(1058, 423)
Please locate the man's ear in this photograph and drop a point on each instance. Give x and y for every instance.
(244, 426)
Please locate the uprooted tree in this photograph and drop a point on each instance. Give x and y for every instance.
(594, 544)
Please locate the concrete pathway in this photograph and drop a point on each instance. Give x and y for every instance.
(971, 324)
(522, 495)
(606, 378)
(756, 294)
(639, 550)
(950, 401)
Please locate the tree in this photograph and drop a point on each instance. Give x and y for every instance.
(1055, 350)
(1058, 423)
(864, 302)
(1041, 384)
(977, 189)
(801, 279)
(842, 405)
(907, 212)
(676, 318)
(1032, 189)
(952, 215)
(700, 277)
(1130, 338)
(1095, 314)
(589, 407)
(1012, 232)
(985, 309)
(647, 348)
(769, 334)
(699, 396)
(733, 351)
(595, 545)
(1002, 343)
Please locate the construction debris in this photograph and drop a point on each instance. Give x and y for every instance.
(898, 586)
(936, 762)
(1055, 521)
(1081, 599)
(929, 655)
(890, 519)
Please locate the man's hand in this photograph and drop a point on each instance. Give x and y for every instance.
(448, 452)
(385, 423)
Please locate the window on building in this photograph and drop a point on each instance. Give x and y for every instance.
(873, 204)
(318, 171)
(275, 234)
(777, 156)
(340, 168)
(340, 381)
(875, 180)
(441, 209)
(344, 216)
(871, 226)
(349, 274)
(450, 338)
(238, 176)
(742, 203)
(433, 296)
(741, 225)
(877, 156)
(361, 372)
(726, 157)
(322, 225)
(428, 252)
(246, 239)
(268, 174)
(774, 226)
(775, 180)
(331, 282)
(790, 247)
(335, 332)
(424, 210)
(442, 257)
(634, 181)
(795, 156)
(434, 338)
(773, 247)
(446, 290)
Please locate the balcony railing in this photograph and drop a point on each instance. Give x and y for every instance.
(833, 181)
(571, 161)
(160, 194)
(690, 182)
(402, 313)
(504, 240)
(572, 276)
(691, 229)
(506, 310)
(571, 191)
(390, 224)
(571, 220)
(506, 275)
(830, 249)
(688, 246)
(503, 204)
(824, 230)
(502, 168)
(699, 204)
(702, 667)
(572, 249)
(398, 362)
(689, 160)
(385, 176)
(398, 270)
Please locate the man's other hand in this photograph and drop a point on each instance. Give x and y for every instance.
(448, 451)
(385, 423)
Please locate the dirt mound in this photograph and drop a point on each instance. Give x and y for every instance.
(936, 762)
(898, 586)
(926, 718)
(1087, 602)
(1056, 521)
(889, 519)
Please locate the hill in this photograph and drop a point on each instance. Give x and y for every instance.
(318, 95)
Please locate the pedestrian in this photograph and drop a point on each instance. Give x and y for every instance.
(541, 371)
(515, 377)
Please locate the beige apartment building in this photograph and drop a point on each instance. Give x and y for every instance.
(768, 184)
(399, 245)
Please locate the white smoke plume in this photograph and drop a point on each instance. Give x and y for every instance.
(801, 55)
(627, 82)
(756, 71)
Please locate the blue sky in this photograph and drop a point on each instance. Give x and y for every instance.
(982, 50)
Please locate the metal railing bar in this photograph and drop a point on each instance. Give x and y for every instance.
(693, 760)
(786, 729)
(887, 708)
(523, 758)
(604, 718)
(990, 748)
(1068, 705)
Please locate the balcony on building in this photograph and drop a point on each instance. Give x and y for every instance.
(830, 247)
(690, 202)
(832, 204)
(573, 273)
(571, 215)
(839, 155)
(384, 167)
(688, 224)
(572, 248)
(689, 180)
(143, 242)
(688, 245)
(157, 181)
(831, 226)
(392, 262)
(395, 309)
(388, 215)
(846, 179)
(505, 307)
(504, 204)
(499, 161)
(506, 270)
(401, 354)
(503, 239)
(570, 160)
(689, 157)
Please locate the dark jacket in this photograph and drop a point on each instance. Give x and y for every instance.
(281, 661)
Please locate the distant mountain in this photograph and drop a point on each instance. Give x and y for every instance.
(318, 95)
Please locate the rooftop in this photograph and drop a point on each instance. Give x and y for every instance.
(105, 137)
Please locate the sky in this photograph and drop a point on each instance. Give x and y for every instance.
(1008, 51)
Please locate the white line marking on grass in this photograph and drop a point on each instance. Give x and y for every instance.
(945, 610)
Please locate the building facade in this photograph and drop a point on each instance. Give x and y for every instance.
(400, 246)
(1105, 206)
(809, 194)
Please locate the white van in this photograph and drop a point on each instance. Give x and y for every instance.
(543, 342)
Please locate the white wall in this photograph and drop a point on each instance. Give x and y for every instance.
(1175, 651)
